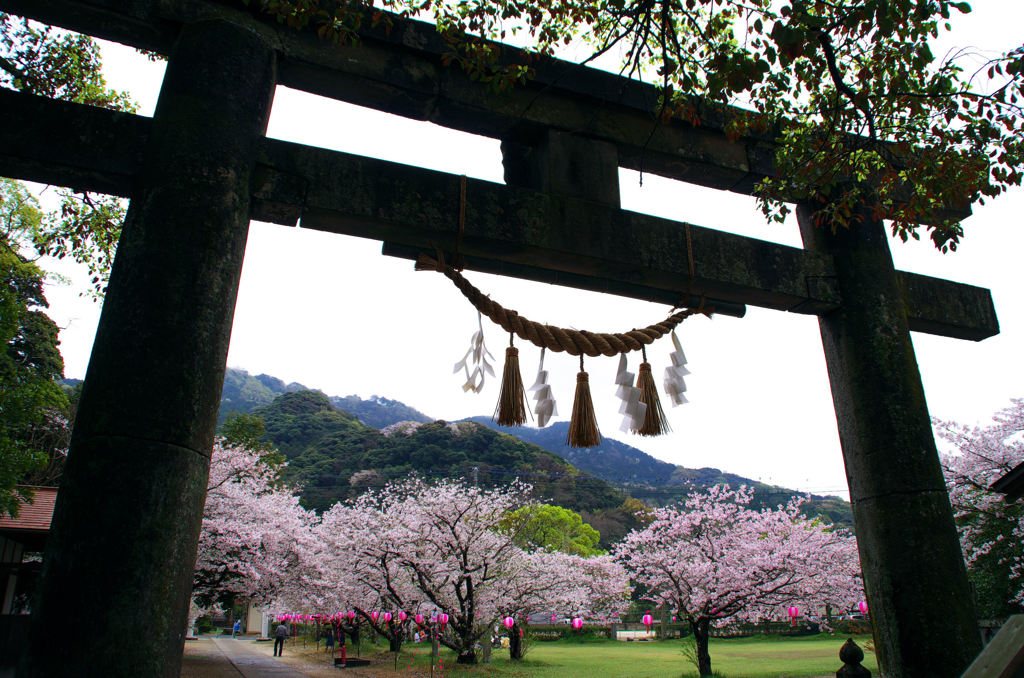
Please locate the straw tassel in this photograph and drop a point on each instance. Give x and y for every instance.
(512, 401)
(583, 430)
(654, 423)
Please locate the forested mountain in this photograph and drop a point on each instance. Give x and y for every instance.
(334, 456)
(614, 461)
(244, 392)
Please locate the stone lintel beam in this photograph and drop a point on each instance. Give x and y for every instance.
(94, 149)
(948, 309)
(399, 69)
(578, 243)
(56, 142)
(520, 227)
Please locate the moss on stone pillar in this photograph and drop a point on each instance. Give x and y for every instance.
(910, 555)
(118, 566)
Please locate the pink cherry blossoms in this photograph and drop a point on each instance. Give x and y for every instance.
(713, 559)
(447, 548)
(256, 540)
(991, 530)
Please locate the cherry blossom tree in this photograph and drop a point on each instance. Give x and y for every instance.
(579, 586)
(256, 540)
(449, 548)
(991, 529)
(712, 559)
(364, 572)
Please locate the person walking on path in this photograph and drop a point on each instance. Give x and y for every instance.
(237, 628)
(280, 633)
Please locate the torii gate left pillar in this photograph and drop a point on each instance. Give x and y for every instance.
(140, 452)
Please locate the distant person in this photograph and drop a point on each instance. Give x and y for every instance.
(329, 639)
(280, 633)
(237, 628)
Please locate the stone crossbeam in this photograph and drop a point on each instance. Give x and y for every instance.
(400, 70)
(508, 230)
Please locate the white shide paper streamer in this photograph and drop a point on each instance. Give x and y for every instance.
(477, 355)
(545, 407)
(632, 409)
(674, 384)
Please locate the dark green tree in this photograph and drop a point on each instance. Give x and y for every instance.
(248, 431)
(31, 401)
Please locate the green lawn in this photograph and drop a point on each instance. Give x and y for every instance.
(760, 657)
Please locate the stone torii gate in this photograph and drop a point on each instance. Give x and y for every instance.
(125, 529)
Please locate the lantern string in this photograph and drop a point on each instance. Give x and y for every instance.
(571, 341)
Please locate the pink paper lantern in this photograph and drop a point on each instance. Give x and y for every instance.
(386, 617)
(419, 619)
(648, 620)
(577, 623)
(351, 615)
(374, 615)
(402, 616)
(793, 611)
(443, 618)
(863, 607)
(553, 618)
(509, 622)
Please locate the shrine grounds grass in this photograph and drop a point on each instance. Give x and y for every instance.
(757, 657)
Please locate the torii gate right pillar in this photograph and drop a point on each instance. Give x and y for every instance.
(914, 573)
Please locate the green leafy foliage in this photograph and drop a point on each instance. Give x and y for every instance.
(248, 431)
(48, 62)
(554, 528)
(32, 404)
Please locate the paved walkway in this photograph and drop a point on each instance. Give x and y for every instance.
(225, 657)
(245, 656)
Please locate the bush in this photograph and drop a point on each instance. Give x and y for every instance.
(852, 627)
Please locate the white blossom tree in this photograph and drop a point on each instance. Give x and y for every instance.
(256, 540)
(991, 529)
(713, 559)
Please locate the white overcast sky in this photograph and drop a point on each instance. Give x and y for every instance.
(332, 313)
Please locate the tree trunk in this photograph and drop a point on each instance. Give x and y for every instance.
(515, 643)
(700, 635)
(467, 654)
